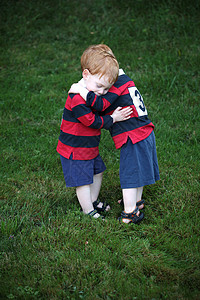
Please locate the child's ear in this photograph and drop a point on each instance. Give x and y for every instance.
(86, 73)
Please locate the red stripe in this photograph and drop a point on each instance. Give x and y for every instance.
(78, 153)
(106, 104)
(88, 119)
(102, 120)
(77, 100)
(78, 129)
(67, 106)
(95, 97)
(122, 89)
(135, 135)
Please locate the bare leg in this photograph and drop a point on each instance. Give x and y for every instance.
(84, 197)
(95, 189)
(96, 186)
(139, 196)
(130, 199)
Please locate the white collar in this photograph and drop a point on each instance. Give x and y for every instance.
(82, 82)
(121, 72)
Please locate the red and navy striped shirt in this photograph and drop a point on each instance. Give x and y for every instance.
(80, 129)
(124, 93)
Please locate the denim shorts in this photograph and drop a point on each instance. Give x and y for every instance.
(138, 163)
(81, 172)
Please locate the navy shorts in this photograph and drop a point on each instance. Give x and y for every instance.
(81, 172)
(138, 163)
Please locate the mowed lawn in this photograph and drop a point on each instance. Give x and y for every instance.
(48, 248)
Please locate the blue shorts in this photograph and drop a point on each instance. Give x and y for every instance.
(138, 163)
(81, 172)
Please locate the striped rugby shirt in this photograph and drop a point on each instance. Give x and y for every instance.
(124, 93)
(80, 129)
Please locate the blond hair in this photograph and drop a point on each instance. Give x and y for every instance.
(100, 60)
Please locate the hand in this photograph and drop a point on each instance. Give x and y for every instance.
(121, 114)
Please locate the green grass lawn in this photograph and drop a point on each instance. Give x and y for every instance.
(48, 248)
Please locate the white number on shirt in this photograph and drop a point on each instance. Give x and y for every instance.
(137, 101)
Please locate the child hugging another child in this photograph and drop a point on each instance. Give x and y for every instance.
(80, 133)
(134, 136)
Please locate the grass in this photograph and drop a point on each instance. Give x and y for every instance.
(48, 248)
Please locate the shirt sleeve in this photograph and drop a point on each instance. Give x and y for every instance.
(87, 117)
(100, 103)
(120, 88)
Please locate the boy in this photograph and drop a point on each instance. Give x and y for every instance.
(80, 136)
(135, 136)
